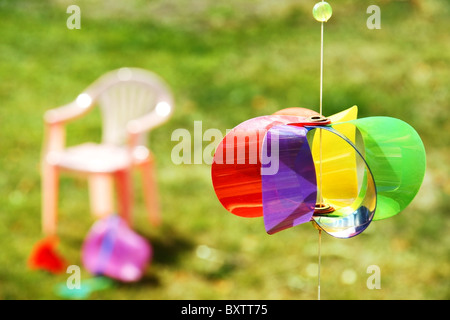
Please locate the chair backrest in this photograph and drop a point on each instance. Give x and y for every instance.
(127, 94)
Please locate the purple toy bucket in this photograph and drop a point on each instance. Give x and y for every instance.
(112, 249)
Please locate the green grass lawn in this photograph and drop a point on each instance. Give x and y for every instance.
(226, 62)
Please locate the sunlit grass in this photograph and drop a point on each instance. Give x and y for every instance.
(227, 61)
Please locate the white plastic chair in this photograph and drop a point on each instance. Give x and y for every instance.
(132, 101)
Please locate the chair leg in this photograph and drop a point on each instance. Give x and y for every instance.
(101, 194)
(124, 194)
(150, 189)
(50, 185)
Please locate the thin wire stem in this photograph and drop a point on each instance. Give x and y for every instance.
(320, 111)
(320, 168)
(321, 67)
(320, 157)
(318, 276)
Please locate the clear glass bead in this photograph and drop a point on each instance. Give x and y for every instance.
(322, 11)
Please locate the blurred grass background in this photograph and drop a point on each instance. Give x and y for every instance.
(228, 61)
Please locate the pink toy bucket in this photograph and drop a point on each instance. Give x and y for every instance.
(112, 249)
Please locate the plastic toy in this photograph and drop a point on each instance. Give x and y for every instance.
(287, 193)
(112, 249)
(44, 256)
(297, 166)
(132, 102)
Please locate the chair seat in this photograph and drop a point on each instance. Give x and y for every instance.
(93, 158)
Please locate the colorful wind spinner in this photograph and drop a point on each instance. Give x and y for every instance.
(296, 166)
